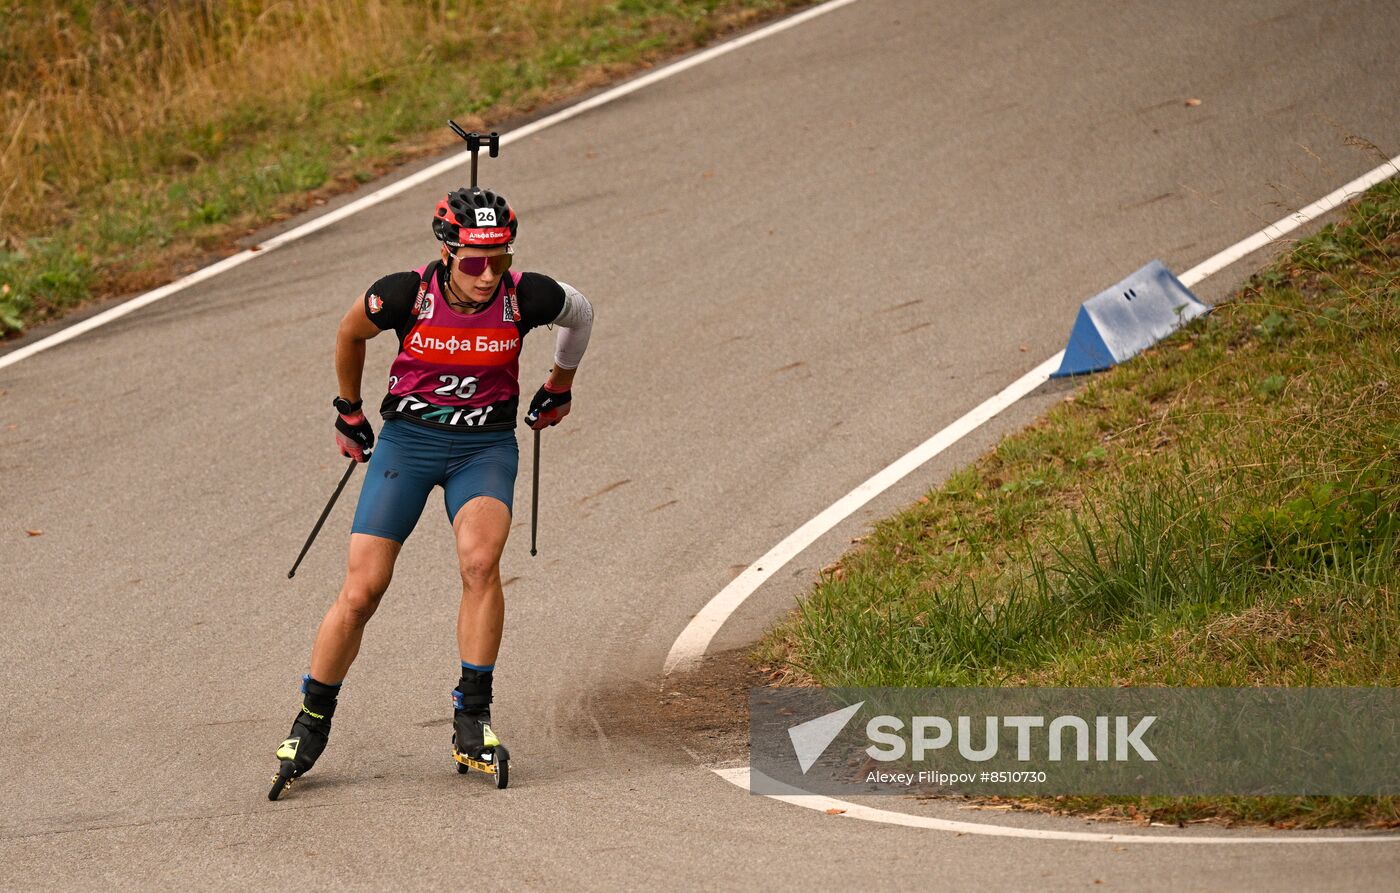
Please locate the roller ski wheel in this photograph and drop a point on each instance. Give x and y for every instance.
(502, 767)
(283, 779)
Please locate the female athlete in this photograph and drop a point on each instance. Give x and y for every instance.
(449, 419)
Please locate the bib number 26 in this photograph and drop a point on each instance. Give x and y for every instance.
(455, 386)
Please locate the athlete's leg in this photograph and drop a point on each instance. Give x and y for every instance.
(337, 643)
(370, 567)
(401, 473)
(481, 527)
(477, 494)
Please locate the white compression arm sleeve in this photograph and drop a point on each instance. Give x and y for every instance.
(575, 323)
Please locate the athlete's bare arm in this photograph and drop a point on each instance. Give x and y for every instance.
(560, 379)
(355, 329)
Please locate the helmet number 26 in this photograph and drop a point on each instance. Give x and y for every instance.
(453, 386)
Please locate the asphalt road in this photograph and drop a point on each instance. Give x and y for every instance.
(806, 256)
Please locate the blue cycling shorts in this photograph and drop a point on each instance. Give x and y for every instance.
(409, 460)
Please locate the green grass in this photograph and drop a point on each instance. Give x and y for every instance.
(143, 139)
(1224, 510)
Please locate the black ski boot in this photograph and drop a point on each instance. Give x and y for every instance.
(474, 744)
(310, 731)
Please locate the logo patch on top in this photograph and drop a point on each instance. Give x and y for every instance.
(510, 309)
(423, 307)
(485, 216)
(375, 303)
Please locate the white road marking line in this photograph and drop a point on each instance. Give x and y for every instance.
(695, 639)
(393, 189)
(690, 646)
(849, 810)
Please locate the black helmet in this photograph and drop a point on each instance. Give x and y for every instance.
(474, 217)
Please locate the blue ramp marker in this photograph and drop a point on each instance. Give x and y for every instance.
(1121, 321)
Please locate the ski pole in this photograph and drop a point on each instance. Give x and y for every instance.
(321, 520)
(535, 498)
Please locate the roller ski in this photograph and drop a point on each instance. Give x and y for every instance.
(310, 731)
(474, 744)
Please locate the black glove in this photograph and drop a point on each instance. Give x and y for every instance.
(354, 436)
(548, 407)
